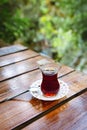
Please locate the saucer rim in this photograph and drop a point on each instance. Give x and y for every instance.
(45, 98)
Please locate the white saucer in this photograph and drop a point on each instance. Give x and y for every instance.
(35, 90)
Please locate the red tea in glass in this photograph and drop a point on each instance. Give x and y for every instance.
(50, 84)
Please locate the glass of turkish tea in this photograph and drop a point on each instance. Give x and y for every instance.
(50, 84)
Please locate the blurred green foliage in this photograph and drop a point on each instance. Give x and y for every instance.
(13, 23)
(63, 23)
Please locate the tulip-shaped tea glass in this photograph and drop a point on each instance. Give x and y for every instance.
(50, 84)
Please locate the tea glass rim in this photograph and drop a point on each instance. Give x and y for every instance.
(52, 65)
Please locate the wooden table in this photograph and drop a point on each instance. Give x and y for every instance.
(20, 110)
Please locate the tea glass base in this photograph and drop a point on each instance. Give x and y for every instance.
(36, 92)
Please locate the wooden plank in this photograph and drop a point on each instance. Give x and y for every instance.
(74, 86)
(21, 83)
(17, 57)
(56, 106)
(70, 116)
(78, 79)
(11, 49)
(21, 68)
(26, 107)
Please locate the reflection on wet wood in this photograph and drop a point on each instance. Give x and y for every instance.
(17, 72)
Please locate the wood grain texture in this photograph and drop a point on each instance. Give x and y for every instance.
(73, 89)
(26, 107)
(19, 68)
(11, 49)
(77, 79)
(17, 76)
(21, 83)
(71, 116)
(17, 57)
